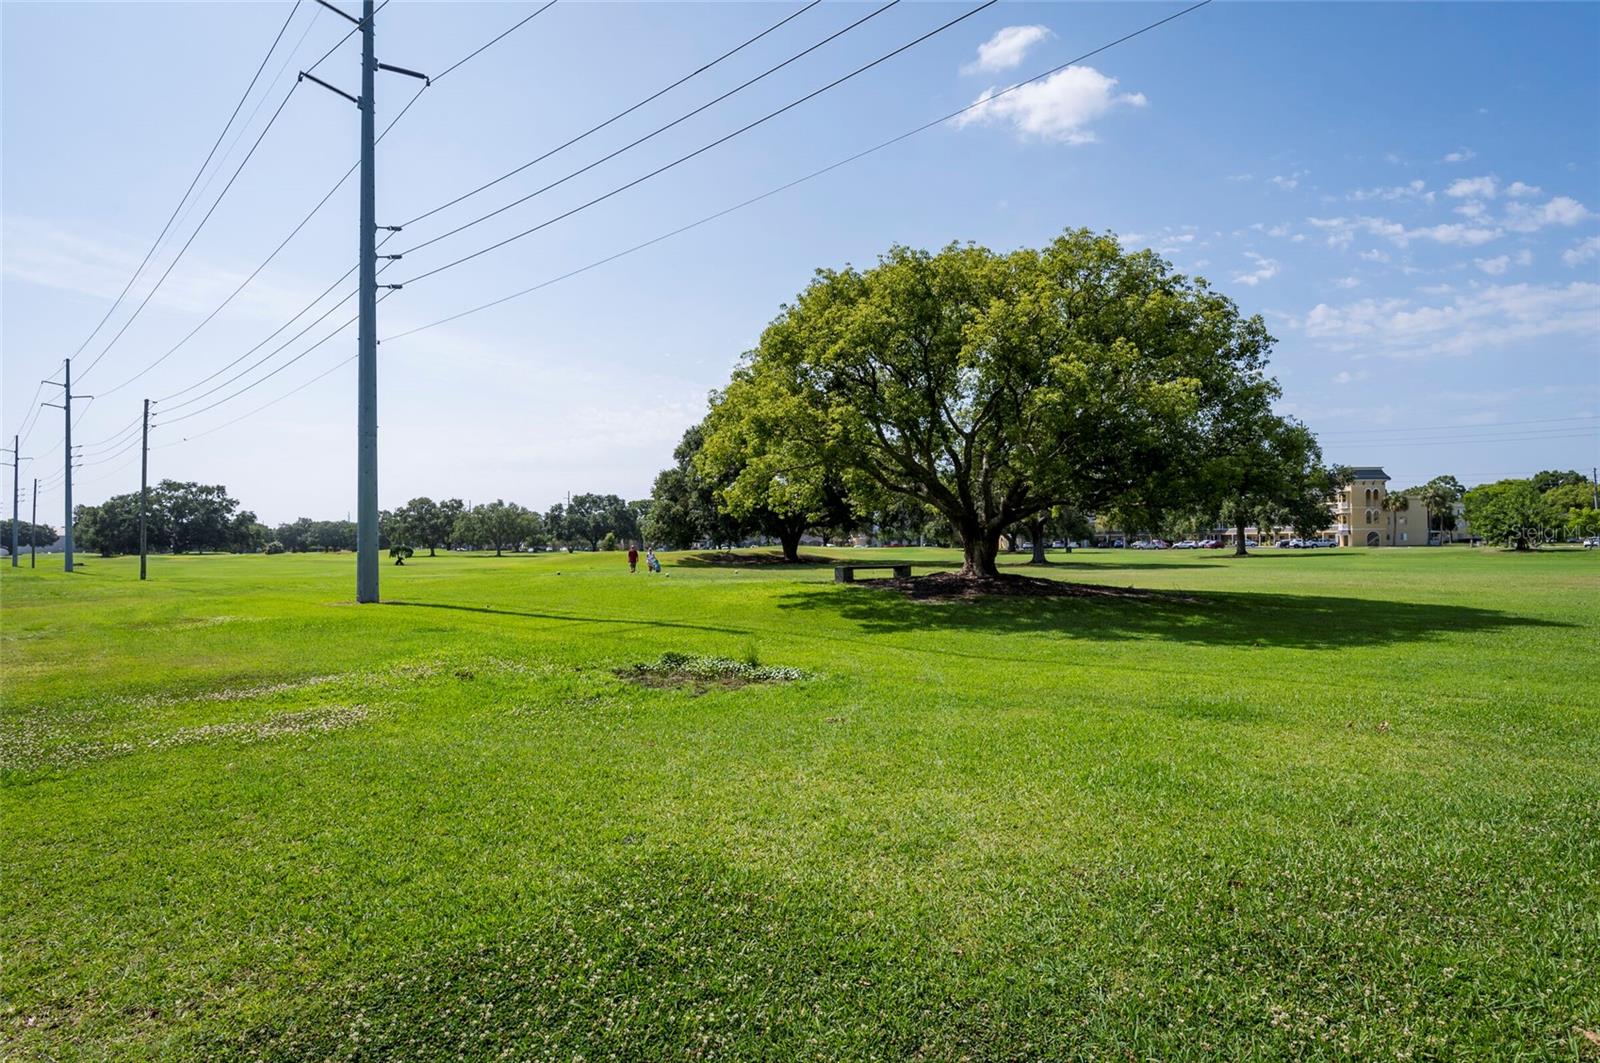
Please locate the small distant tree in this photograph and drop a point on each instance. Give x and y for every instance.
(274, 547)
(1395, 502)
(1509, 512)
(504, 525)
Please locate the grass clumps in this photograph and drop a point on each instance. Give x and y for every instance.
(704, 673)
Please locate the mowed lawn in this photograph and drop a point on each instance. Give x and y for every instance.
(1309, 804)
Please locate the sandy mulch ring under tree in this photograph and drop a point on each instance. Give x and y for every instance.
(953, 586)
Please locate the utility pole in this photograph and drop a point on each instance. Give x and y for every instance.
(33, 524)
(367, 339)
(144, 483)
(367, 306)
(16, 489)
(1594, 488)
(66, 411)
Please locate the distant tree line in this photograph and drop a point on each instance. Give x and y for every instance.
(1523, 513)
(181, 518)
(28, 534)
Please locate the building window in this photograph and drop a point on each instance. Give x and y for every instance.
(1372, 538)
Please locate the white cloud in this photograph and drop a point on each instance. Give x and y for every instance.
(1562, 210)
(1057, 108)
(1345, 376)
(1480, 187)
(1582, 251)
(1006, 48)
(1266, 269)
(1460, 155)
(1288, 182)
(1518, 190)
(1341, 232)
(1467, 321)
(1472, 208)
(1409, 190)
(1374, 255)
(1347, 282)
(1494, 266)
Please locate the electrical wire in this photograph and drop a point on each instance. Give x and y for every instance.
(1459, 427)
(707, 147)
(807, 177)
(179, 256)
(195, 180)
(649, 99)
(306, 220)
(495, 41)
(262, 380)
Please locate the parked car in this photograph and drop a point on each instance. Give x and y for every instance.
(1118, 543)
(1057, 545)
(1184, 544)
(1211, 544)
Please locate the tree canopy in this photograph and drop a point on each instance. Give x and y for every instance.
(1510, 512)
(988, 387)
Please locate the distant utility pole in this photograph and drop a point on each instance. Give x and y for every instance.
(65, 405)
(33, 523)
(16, 488)
(144, 483)
(1594, 488)
(367, 308)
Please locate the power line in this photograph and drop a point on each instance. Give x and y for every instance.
(648, 99)
(306, 220)
(179, 256)
(708, 218)
(807, 177)
(495, 41)
(271, 402)
(715, 143)
(195, 180)
(262, 380)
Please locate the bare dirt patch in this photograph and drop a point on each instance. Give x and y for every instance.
(952, 587)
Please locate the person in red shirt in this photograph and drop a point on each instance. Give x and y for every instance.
(633, 558)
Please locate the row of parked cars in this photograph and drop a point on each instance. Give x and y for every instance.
(1305, 544)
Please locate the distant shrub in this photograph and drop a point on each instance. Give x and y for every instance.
(609, 542)
(274, 547)
(400, 553)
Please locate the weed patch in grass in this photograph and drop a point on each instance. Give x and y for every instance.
(704, 673)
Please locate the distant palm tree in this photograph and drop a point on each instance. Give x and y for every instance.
(1392, 504)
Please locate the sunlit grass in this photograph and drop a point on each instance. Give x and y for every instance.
(1310, 804)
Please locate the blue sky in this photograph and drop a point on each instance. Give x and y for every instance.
(1410, 193)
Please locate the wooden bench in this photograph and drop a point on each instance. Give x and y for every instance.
(847, 573)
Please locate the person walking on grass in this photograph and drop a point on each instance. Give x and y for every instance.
(633, 558)
(650, 561)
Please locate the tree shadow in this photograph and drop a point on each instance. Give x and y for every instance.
(1214, 618)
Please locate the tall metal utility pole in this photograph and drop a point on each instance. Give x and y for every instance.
(66, 410)
(144, 483)
(16, 489)
(33, 524)
(367, 336)
(367, 307)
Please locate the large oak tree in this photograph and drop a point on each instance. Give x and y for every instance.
(991, 387)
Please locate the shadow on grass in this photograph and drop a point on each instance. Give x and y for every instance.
(617, 621)
(1215, 619)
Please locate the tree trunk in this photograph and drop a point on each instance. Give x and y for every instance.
(791, 545)
(1036, 530)
(432, 552)
(1011, 541)
(1238, 543)
(979, 550)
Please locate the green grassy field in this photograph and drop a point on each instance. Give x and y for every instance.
(1318, 804)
